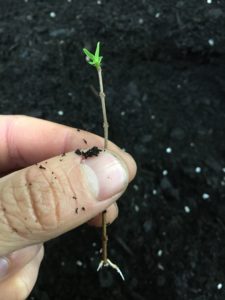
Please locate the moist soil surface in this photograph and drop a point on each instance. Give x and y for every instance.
(164, 78)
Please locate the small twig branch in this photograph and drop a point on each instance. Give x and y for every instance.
(95, 60)
(104, 238)
(106, 135)
(105, 261)
(94, 91)
(102, 97)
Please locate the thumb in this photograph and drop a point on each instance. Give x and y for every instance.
(44, 200)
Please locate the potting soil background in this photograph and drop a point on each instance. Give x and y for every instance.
(164, 77)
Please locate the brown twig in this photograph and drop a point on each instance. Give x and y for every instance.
(105, 262)
(104, 238)
(95, 60)
(106, 136)
(102, 97)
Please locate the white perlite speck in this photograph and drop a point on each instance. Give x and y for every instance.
(198, 170)
(223, 170)
(136, 187)
(209, 1)
(219, 286)
(136, 208)
(79, 263)
(160, 252)
(205, 196)
(52, 14)
(140, 21)
(157, 15)
(99, 2)
(154, 192)
(187, 209)
(211, 42)
(60, 112)
(165, 172)
(168, 150)
(160, 267)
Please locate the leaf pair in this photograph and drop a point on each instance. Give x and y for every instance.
(95, 59)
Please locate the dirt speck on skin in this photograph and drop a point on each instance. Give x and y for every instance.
(94, 151)
(42, 167)
(163, 68)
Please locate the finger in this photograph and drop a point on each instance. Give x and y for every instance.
(21, 283)
(26, 140)
(15, 261)
(45, 200)
(22, 150)
(112, 214)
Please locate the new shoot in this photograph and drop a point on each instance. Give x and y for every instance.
(95, 60)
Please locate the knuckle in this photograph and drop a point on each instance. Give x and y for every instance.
(42, 198)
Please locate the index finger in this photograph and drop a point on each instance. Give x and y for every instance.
(26, 140)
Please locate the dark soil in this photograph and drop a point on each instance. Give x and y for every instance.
(164, 74)
(94, 151)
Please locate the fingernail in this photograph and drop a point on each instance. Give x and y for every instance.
(106, 175)
(4, 265)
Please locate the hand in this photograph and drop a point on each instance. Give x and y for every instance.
(41, 200)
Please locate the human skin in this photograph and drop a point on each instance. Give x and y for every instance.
(46, 190)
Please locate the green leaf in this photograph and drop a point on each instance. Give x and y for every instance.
(97, 50)
(92, 63)
(95, 59)
(100, 59)
(89, 54)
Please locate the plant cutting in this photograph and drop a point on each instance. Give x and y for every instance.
(95, 61)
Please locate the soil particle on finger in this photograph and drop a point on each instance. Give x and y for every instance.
(94, 151)
(42, 167)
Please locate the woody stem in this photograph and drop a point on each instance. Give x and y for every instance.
(105, 126)
(104, 114)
